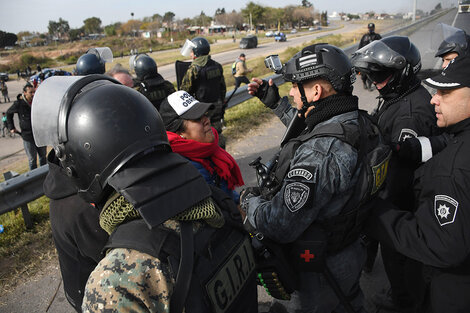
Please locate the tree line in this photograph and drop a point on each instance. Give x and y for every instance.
(270, 17)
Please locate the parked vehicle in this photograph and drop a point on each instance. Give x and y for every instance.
(4, 77)
(248, 42)
(280, 36)
(269, 34)
(293, 31)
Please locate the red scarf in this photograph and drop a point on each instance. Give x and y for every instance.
(210, 155)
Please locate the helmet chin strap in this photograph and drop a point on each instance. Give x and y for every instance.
(305, 103)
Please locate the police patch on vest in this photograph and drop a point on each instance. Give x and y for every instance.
(445, 209)
(296, 195)
(224, 287)
(407, 133)
(300, 172)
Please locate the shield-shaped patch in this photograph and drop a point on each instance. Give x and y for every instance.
(296, 195)
(407, 133)
(445, 209)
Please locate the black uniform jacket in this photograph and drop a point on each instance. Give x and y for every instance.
(23, 109)
(75, 228)
(438, 232)
(411, 116)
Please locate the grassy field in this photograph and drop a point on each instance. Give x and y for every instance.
(23, 251)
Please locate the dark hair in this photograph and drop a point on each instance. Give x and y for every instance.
(28, 85)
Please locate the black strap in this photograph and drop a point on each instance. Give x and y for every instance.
(183, 279)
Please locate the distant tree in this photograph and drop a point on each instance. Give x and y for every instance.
(438, 7)
(168, 18)
(23, 34)
(7, 39)
(129, 28)
(255, 10)
(324, 18)
(157, 18)
(202, 19)
(92, 25)
(301, 15)
(59, 28)
(306, 4)
(110, 30)
(75, 33)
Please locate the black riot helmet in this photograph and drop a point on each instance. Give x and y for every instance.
(395, 57)
(144, 66)
(90, 64)
(202, 46)
(371, 27)
(447, 39)
(321, 61)
(95, 126)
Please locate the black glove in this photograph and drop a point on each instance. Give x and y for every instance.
(246, 195)
(269, 95)
(408, 150)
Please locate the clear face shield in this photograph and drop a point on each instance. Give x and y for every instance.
(446, 38)
(187, 48)
(46, 107)
(104, 53)
(132, 60)
(378, 53)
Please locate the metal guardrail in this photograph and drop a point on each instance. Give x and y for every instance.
(19, 191)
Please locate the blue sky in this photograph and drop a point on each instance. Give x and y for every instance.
(34, 15)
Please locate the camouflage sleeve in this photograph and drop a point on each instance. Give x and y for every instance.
(128, 281)
(188, 80)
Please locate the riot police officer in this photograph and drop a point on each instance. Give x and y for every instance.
(77, 235)
(435, 229)
(93, 61)
(455, 42)
(403, 112)
(366, 39)
(174, 241)
(317, 174)
(149, 82)
(204, 80)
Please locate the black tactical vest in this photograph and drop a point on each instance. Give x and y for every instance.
(208, 82)
(373, 158)
(223, 277)
(155, 89)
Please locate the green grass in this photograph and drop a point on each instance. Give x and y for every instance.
(23, 250)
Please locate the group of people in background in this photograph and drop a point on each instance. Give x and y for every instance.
(144, 210)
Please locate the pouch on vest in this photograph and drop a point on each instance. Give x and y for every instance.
(308, 252)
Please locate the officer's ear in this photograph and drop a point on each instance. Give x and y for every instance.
(317, 92)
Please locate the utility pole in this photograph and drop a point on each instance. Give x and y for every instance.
(251, 23)
(414, 10)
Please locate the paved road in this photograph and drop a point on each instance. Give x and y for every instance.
(40, 291)
(265, 49)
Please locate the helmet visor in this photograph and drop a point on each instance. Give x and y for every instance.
(446, 38)
(380, 54)
(132, 62)
(45, 109)
(104, 53)
(187, 48)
